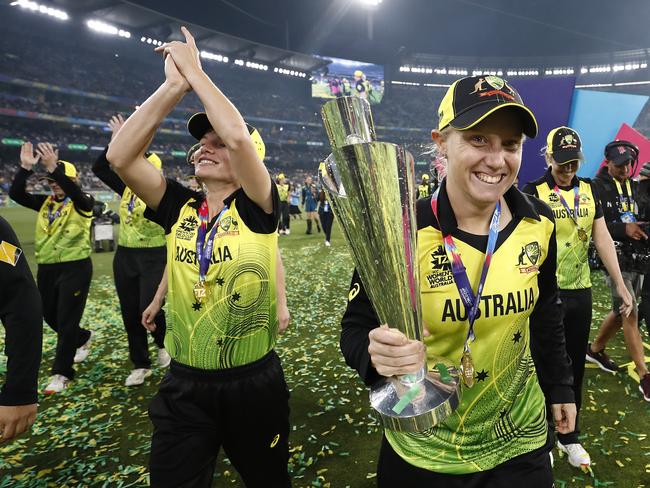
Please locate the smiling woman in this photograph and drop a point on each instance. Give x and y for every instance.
(221, 278)
(476, 222)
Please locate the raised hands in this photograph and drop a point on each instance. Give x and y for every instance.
(185, 58)
(115, 124)
(49, 156)
(27, 157)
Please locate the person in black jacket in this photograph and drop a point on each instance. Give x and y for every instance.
(62, 245)
(643, 201)
(138, 267)
(618, 195)
(22, 317)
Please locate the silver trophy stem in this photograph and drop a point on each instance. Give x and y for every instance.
(371, 187)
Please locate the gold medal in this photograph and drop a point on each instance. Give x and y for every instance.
(201, 291)
(582, 235)
(128, 220)
(467, 369)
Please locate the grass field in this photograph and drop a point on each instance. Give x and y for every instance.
(97, 432)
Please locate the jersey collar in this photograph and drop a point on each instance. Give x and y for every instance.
(548, 177)
(518, 203)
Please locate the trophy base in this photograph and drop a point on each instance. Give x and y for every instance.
(404, 406)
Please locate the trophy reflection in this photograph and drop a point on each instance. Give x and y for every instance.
(371, 188)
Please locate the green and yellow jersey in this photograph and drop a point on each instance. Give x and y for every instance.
(136, 231)
(503, 415)
(67, 238)
(236, 323)
(573, 271)
(283, 191)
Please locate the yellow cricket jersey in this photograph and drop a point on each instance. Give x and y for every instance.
(136, 231)
(573, 271)
(503, 415)
(236, 324)
(67, 238)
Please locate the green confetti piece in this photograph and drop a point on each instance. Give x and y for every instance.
(406, 399)
(444, 373)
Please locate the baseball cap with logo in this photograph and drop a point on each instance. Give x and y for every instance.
(470, 100)
(563, 143)
(621, 152)
(198, 124)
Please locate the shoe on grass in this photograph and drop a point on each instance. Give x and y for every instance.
(644, 387)
(83, 351)
(137, 377)
(578, 457)
(327, 244)
(57, 384)
(163, 358)
(601, 359)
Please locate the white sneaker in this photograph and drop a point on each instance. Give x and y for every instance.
(163, 358)
(57, 384)
(137, 377)
(83, 351)
(287, 232)
(578, 457)
(327, 244)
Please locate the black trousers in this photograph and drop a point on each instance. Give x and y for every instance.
(576, 312)
(244, 409)
(137, 274)
(64, 289)
(326, 220)
(532, 470)
(285, 221)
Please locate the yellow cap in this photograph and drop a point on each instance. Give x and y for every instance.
(154, 159)
(69, 169)
(425, 176)
(358, 73)
(281, 176)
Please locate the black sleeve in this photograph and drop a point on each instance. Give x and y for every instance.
(82, 201)
(18, 194)
(610, 212)
(599, 207)
(359, 319)
(531, 189)
(547, 342)
(256, 218)
(103, 171)
(22, 317)
(176, 195)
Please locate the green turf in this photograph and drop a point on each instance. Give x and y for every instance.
(97, 432)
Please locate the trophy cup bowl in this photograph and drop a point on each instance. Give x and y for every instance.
(370, 186)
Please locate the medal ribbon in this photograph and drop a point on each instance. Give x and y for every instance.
(51, 217)
(625, 198)
(204, 249)
(459, 271)
(576, 203)
(131, 205)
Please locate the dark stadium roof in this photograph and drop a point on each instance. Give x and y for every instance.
(463, 32)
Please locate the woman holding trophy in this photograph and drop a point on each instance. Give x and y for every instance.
(226, 386)
(486, 256)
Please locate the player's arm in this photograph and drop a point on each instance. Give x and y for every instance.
(126, 151)
(156, 304)
(49, 159)
(226, 121)
(18, 192)
(22, 318)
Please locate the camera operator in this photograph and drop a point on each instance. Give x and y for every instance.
(618, 193)
(643, 202)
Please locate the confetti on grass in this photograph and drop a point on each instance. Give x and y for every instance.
(97, 433)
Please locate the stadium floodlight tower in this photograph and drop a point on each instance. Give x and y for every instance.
(370, 3)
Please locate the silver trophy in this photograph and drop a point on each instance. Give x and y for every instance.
(371, 187)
